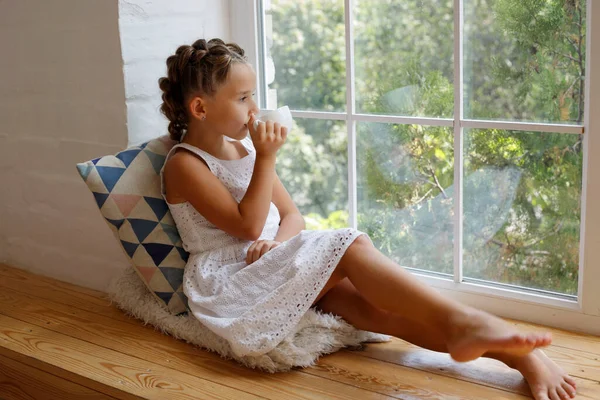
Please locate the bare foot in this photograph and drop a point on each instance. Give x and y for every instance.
(477, 333)
(546, 380)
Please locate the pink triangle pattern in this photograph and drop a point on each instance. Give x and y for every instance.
(166, 140)
(125, 202)
(148, 272)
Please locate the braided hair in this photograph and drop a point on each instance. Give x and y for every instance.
(197, 69)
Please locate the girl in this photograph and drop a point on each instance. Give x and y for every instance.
(254, 271)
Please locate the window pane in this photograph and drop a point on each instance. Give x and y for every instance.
(313, 166)
(405, 192)
(524, 60)
(306, 55)
(521, 204)
(403, 57)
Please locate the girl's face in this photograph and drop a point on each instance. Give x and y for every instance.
(229, 109)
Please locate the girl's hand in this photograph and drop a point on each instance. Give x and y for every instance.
(259, 248)
(268, 137)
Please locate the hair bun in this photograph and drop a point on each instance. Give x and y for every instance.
(197, 56)
(200, 44)
(164, 84)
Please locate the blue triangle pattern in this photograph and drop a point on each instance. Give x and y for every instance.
(157, 160)
(116, 222)
(127, 156)
(164, 296)
(84, 170)
(143, 145)
(158, 251)
(95, 160)
(110, 176)
(173, 275)
(142, 227)
(129, 247)
(183, 298)
(100, 198)
(171, 232)
(159, 206)
(184, 254)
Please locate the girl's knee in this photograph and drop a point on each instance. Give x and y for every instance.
(362, 241)
(358, 246)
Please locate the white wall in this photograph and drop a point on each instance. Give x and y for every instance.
(151, 30)
(63, 100)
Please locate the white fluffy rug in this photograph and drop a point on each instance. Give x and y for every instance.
(317, 334)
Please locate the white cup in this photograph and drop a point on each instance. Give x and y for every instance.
(281, 115)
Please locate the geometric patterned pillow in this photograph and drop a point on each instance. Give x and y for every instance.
(126, 187)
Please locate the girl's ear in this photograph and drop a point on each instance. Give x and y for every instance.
(197, 108)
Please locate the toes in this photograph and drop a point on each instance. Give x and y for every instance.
(571, 381)
(530, 340)
(541, 395)
(562, 394)
(570, 389)
(547, 339)
(553, 395)
(543, 340)
(533, 340)
(518, 339)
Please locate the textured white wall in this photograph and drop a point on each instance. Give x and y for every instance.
(64, 99)
(61, 102)
(151, 30)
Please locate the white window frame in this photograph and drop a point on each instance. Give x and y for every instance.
(582, 315)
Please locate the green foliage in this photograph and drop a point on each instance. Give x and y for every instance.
(335, 220)
(309, 49)
(523, 60)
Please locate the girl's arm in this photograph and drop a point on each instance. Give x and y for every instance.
(267, 138)
(292, 221)
(290, 226)
(254, 206)
(187, 176)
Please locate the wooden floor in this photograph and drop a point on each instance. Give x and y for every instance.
(59, 341)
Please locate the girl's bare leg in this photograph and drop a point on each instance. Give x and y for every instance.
(469, 333)
(546, 379)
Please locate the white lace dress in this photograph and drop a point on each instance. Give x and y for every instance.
(252, 306)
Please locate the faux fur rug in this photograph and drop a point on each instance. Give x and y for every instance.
(317, 334)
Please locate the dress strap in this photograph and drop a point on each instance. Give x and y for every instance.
(208, 159)
(247, 143)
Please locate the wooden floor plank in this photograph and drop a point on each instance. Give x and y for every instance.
(91, 300)
(575, 362)
(483, 371)
(26, 276)
(390, 370)
(21, 382)
(74, 377)
(148, 344)
(61, 292)
(101, 369)
(403, 382)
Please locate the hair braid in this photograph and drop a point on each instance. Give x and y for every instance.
(198, 69)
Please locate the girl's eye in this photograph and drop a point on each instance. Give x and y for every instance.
(246, 97)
